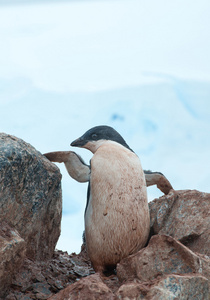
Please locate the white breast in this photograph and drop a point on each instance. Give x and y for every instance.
(117, 217)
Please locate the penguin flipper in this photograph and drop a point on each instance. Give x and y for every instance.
(159, 179)
(74, 164)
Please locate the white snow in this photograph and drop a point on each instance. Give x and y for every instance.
(141, 67)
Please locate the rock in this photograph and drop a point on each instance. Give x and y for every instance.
(40, 279)
(30, 199)
(163, 255)
(12, 252)
(132, 290)
(42, 290)
(37, 279)
(185, 216)
(91, 288)
(193, 287)
(81, 271)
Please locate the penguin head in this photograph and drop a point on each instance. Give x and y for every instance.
(95, 136)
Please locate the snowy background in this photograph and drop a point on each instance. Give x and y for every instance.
(142, 67)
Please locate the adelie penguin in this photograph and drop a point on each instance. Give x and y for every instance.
(117, 221)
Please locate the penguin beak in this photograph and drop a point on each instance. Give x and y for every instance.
(80, 142)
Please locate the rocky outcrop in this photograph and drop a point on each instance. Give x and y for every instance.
(30, 206)
(91, 287)
(43, 279)
(163, 255)
(185, 216)
(174, 264)
(12, 252)
(182, 287)
(30, 196)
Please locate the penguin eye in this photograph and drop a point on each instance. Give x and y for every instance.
(94, 136)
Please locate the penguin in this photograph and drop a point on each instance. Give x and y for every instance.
(117, 221)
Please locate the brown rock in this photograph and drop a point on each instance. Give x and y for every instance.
(193, 287)
(91, 288)
(185, 216)
(163, 255)
(132, 290)
(12, 251)
(30, 196)
(41, 279)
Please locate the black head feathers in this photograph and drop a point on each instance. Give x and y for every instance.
(97, 133)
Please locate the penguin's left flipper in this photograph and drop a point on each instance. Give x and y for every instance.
(159, 179)
(74, 164)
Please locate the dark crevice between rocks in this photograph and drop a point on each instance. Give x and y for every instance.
(190, 239)
(151, 233)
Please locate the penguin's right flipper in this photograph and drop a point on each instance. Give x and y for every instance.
(74, 164)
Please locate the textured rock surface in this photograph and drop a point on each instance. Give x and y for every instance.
(91, 288)
(184, 215)
(132, 290)
(163, 255)
(191, 286)
(40, 280)
(12, 252)
(172, 287)
(30, 196)
(59, 276)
